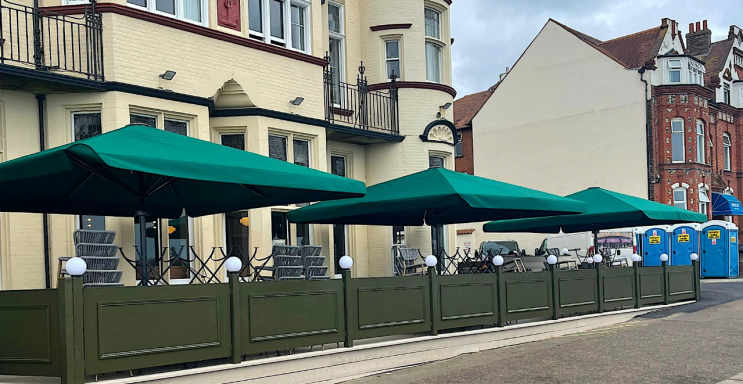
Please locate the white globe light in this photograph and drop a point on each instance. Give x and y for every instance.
(346, 262)
(565, 251)
(664, 257)
(590, 260)
(694, 256)
(76, 266)
(233, 264)
(431, 261)
(597, 258)
(498, 260)
(636, 258)
(552, 259)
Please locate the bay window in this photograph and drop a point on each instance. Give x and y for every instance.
(280, 22)
(192, 11)
(700, 142)
(434, 45)
(433, 23)
(677, 140)
(674, 71)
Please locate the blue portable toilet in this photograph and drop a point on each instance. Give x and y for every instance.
(684, 242)
(719, 245)
(655, 243)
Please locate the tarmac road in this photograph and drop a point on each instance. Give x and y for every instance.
(696, 343)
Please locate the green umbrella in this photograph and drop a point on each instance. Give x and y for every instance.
(437, 196)
(138, 170)
(605, 210)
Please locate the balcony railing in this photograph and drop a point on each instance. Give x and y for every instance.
(48, 41)
(357, 106)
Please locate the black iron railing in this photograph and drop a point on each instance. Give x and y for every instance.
(358, 106)
(52, 42)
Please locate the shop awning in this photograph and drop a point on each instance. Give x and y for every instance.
(725, 205)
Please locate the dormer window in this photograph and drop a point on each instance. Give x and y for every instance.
(674, 71)
(739, 60)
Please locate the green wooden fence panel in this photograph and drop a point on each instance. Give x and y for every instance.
(384, 306)
(467, 300)
(576, 291)
(137, 327)
(618, 287)
(651, 285)
(30, 333)
(526, 295)
(290, 314)
(681, 282)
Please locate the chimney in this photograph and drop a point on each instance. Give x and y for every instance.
(699, 39)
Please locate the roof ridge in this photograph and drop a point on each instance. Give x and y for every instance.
(587, 39)
(633, 34)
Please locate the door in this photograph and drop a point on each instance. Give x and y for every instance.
(733, 267)
(714, 250)
(684, 243)
(655, 243)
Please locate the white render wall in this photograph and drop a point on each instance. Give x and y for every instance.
(566, 118)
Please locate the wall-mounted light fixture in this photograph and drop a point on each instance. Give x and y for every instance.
(445, 106)
(168, 75)
(297, 101)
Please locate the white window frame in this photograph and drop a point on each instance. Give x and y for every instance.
(701, 143)
(187, 251)
(726, 149)
(675, 202)
(385, 40)
(152, 7)
(681, 132)
(143, 114)
(340, 37)
(309, 149)
(726, 93)
(674, 68)
(441, 44)
(439, 13)
(286, 42)
(704, 205)
(82, 112)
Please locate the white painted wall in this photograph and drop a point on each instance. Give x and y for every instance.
(566, 118)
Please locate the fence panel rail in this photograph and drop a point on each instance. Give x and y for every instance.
(681, 283)
(455, 312)
(526, 295)
(618, 287)
(651, 285)
(576, 291)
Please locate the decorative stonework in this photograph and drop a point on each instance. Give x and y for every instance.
(440, 131)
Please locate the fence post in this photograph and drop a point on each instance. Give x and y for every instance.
(347, 306)
(665, 282)
(501, 300)
(697, 287)
(599, 287)
(555, 301)
(637, 284)
(236, 357)
(433, 279)
(71, 330)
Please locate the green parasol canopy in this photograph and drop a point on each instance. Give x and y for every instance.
(437, 196)
(141, 169)
(605, 210)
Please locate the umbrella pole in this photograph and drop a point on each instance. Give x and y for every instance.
(143, 245)
(596, 242)
(436, 248)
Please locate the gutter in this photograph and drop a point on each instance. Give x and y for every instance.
(41, 99)
(648, 137)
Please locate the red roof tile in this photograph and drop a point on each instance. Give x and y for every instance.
(714, 61)
(467, 107)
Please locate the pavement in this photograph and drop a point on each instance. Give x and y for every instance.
(696, 343)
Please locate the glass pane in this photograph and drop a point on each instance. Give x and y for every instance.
(435, 162)
(433, 62)
(393, 67)
(176, 126)
(277, 18)
(236, 141)
(338, 165)
(143, 119)
(393, 49)
(433, 28)
(302, 153)
(303, 235)
(141, 3)
(674, 63)
(674, 76)
(297, 27)
(237, 237)
(677, 126)
(677, 142)
(398, 234)
(167, 6)
(192, 10)
(153, 243)
(725, 139)
(255, 15)
(335, 71)
(179, 240)
(279, 228)
(334, 18)
(86, 125)
(277, 147)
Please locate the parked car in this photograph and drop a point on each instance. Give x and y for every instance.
(621, 242)
(500, 247)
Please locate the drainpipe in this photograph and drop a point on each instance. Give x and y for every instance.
(40, 101)
(648, 137)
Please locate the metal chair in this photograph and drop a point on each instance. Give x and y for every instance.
(409, 260)
(258, 272)
(93, 236)
(288, 267)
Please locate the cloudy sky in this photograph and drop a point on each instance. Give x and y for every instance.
(491, 34)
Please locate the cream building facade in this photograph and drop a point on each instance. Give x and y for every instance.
(251, 74)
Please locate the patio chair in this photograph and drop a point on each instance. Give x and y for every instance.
(317, 273)
(288, 267)
(93, 236)
(410, 259)
(93, 249)
(287, 250)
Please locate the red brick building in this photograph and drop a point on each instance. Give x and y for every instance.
(694, 93)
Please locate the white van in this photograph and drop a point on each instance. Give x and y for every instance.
(621, 241)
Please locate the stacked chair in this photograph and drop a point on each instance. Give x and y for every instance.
(313, 263)
(99, 253)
